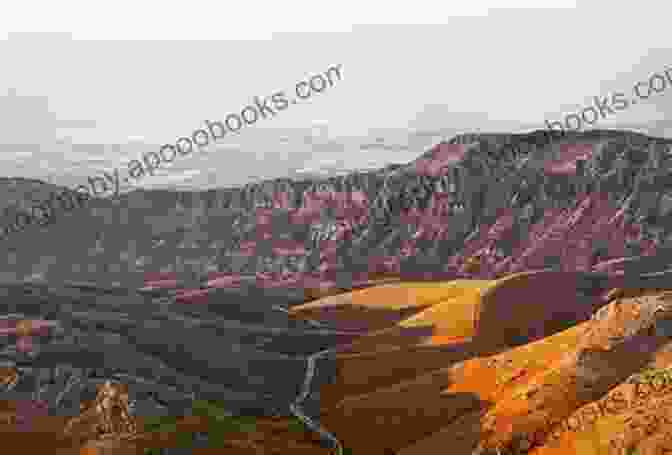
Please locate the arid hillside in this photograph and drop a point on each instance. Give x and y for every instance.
(594, 386)
(500, 294)
(511, 202)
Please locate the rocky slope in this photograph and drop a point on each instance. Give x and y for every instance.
(584, 389)
(60, 343)
(414, 383)
(477, 196)
(223, 269)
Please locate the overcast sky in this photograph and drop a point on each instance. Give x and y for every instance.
(157, 72)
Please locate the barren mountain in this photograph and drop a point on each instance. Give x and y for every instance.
(380, 308)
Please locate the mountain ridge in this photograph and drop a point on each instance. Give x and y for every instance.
(448, 195)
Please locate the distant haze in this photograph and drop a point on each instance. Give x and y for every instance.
(503, 70)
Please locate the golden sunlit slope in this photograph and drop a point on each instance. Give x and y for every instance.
(382, 306)
(501, 311)
(460, 320)
(400, 414)
(620, 341)
(512, 309)
(435, 328)
(635, 415)
(454, 316)
(401, 390)
(398, 295)
(444, 312)
(542, 396)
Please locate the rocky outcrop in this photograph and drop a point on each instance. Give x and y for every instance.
(620, 341)
(108, 424)
(62, 342)
(585, 198)
(222, 267)
(569, 391)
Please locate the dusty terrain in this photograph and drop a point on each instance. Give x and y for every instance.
(600, 384)
(474, 298)
(416, 397)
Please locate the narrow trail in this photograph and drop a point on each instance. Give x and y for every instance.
(658, 278)
(297, 409)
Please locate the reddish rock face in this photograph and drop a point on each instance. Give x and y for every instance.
(468, 198)
(441, 156)
(422, 389)
(569, 155)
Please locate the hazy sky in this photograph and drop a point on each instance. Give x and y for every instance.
(157, 72)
